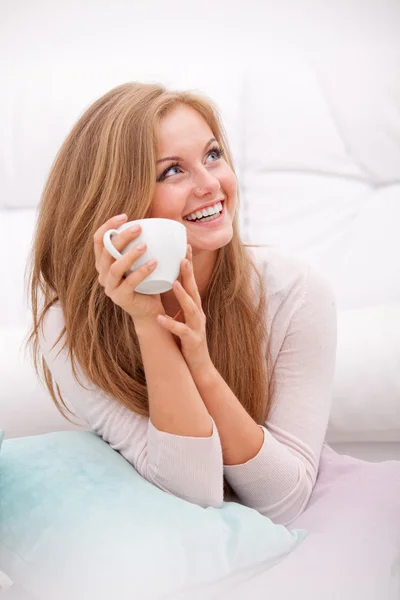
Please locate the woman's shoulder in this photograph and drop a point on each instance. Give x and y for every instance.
(282, 272)
(292, 283)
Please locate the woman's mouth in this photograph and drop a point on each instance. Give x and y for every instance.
(210, 221)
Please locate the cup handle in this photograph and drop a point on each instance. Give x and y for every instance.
(108, 243)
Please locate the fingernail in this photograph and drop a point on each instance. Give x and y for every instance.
(187, 265)
(121, 217)
(134, 228)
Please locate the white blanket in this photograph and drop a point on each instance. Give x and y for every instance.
(353, 548)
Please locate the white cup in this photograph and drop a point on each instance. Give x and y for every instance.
(166, 241)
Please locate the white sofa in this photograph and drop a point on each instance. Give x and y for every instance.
(316, 140)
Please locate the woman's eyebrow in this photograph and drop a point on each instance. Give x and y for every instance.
(179, 158)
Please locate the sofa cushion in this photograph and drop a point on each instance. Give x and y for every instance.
(366, 390)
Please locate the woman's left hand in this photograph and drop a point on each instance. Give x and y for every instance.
(189, 324)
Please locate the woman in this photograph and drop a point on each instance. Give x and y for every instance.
(224, 383)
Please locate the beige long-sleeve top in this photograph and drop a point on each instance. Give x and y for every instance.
(278, 481)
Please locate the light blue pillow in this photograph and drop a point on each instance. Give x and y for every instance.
(78, 521)
(5, 581)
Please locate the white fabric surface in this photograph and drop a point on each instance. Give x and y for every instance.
(352, 551)
(367, 378)
(316, 148)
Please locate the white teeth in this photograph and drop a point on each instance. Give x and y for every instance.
(210, 218)
(211, 210)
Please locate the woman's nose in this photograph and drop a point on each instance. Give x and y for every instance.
(207, 183)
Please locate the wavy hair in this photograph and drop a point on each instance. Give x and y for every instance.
(106, 166)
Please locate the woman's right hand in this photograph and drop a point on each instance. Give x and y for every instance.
(140, 307)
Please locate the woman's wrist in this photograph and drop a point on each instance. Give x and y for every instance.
(145, 323)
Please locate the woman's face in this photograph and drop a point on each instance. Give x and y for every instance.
(202, 178)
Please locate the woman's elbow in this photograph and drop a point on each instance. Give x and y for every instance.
(295, 503)
(206, 496)
(203, 489)
(200, 483)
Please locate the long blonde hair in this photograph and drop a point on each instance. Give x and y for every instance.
(107, 166)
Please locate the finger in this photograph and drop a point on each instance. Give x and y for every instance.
(189, 282)
(189, 307)
(180, 277)
(112, 223)
(179, 329)
(120, 241)
(137, 276)
(121, 265)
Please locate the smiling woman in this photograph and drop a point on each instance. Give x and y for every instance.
(194, 418)
(116, 160)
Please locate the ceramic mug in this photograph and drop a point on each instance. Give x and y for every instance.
(166, 241)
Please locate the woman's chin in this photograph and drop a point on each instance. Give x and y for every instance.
(213, 242)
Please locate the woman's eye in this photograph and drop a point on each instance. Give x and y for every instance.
(216, 151)
(165, 173)
(170, 168)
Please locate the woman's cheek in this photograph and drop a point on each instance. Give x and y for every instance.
(165, 203)
(231, 186)
(174, 203)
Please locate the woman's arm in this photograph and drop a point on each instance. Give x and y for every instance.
(175, 404)
(189, 467)
(279, 480)
(273, 468)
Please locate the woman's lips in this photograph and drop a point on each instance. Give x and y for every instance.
(212, 223)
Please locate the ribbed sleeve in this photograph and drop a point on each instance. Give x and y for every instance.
(188, 467)
(279, 480)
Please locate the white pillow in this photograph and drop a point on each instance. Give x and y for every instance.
(366, 396)
(5, 582)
